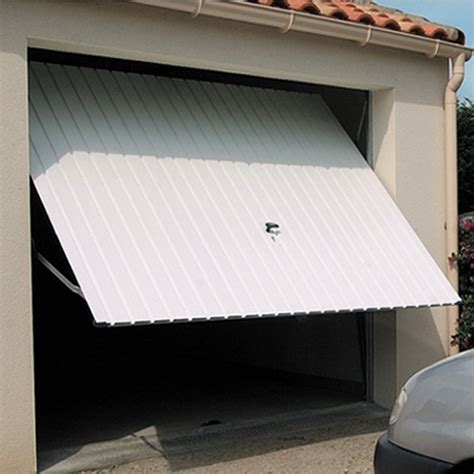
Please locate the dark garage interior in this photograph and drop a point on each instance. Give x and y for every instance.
(97, 384)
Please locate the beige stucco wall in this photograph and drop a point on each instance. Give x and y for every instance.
(17, 440)
(407, 114)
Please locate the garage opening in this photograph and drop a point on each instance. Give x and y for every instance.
(260, 335)
(167, 387)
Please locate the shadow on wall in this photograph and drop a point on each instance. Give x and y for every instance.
(419, 339)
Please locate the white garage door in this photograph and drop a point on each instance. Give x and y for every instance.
(181, 200)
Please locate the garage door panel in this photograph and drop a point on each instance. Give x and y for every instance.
(236, 259)
(340, 273)
(307, 266)
(159, 190)
(105, 180)
(104, 116)
(246, 229)
(341, 232)
(65, 211)
(301, 218)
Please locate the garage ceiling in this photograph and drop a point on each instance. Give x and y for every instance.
(184, 200)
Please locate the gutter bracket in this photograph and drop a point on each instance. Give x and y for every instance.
(367, 39)
(197, 10)
(436, 50)
(291, 21)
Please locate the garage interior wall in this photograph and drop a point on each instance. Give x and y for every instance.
(407, 107)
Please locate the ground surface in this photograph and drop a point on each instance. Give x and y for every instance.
(218, 419)
(352, 454)
(187, 420)
(329, 440)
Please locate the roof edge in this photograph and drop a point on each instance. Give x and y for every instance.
(290, 20)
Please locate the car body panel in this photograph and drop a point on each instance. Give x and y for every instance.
(437, 419)
(391, 459)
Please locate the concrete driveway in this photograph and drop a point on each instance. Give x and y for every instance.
(338, 440)
(344, 455)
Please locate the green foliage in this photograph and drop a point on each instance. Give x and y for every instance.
(465, 258)
(466, 156)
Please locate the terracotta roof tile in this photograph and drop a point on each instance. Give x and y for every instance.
(370, 13)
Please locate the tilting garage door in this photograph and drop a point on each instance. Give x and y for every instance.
(183, 200)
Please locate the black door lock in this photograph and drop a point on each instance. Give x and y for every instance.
(272, 228)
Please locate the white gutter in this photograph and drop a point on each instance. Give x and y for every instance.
(451, 152)
(287, 20)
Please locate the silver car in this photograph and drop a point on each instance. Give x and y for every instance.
(431, 429)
